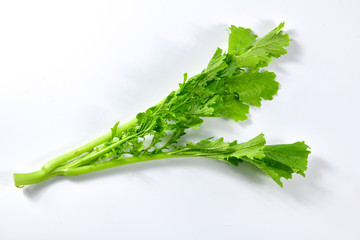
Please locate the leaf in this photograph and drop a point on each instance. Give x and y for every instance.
(263, 49)
(216, 63)
(233, 108)
(221, 150)
(251, 87)
(250, 149)
(206, 147)
(240, 39)
(273, 169)
(114, 130)
(281, 161)
(293, 155)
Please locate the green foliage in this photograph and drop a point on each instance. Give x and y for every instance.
(228, 86)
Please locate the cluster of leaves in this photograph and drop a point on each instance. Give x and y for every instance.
(231, 82)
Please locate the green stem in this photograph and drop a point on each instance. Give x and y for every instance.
(22, 179)
(86, 159)
(54, 163)
(114, 163)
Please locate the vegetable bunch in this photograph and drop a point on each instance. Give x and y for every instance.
(231, 82)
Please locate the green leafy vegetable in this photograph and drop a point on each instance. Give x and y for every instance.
(227, 87)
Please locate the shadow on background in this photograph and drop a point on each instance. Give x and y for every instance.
(308, 190)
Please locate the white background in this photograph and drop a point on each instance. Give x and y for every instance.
(70, 69)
